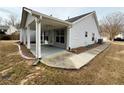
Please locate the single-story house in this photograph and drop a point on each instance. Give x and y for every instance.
(9, 33)
(120, 35)
(11, 30)
(48, 32)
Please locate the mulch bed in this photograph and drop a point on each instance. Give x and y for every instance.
(25, 51)
(83, 49)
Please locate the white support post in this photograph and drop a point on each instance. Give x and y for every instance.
(38, 38)
(68, 38)
(42, 33)
(43, 36)
(36, 21)
(24, 36)
(21, 34)
(28, 38)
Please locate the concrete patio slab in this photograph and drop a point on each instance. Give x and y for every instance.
(68, 60)
(46, 50)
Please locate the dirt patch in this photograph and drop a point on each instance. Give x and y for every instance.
(106, 68)
(83, 49)
(101, 70)
(10, 58)
(26, 51)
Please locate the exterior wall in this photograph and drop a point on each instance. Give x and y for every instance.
(32, 35)
(52, 38)
(105, 39)
(23, 35)
(77, 33)
(29, 20)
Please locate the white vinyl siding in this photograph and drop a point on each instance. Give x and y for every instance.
(79, 30)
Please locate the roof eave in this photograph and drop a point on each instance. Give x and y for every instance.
(50, 17)
(82, 18)
(38, 15)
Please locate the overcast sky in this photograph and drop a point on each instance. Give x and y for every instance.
(61, 12)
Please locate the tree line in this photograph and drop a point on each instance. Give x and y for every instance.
(112, 25)
(11, 20)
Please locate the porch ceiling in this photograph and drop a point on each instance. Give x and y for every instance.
(48, 24)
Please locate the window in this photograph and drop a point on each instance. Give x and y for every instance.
(57, 39)
(62, 39)
(86, 34)
(93, 36)
(45, 35)
(60, 36)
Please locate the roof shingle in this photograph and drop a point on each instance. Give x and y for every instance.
(77, 17)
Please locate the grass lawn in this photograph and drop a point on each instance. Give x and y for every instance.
(106, 68)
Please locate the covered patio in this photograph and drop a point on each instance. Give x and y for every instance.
(47, 50)
(51, 35)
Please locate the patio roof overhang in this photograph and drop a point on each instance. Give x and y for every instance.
(48, 22)
(39, 23)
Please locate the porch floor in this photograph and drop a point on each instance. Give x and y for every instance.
(46, 50)
(69, 60)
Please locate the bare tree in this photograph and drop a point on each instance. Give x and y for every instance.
(12, 20)
(6, 22)
(113, 24)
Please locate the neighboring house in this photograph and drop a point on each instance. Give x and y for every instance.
(105, 38)
(44, 31)
(9, 33)
(11, 30)
(120, 35)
